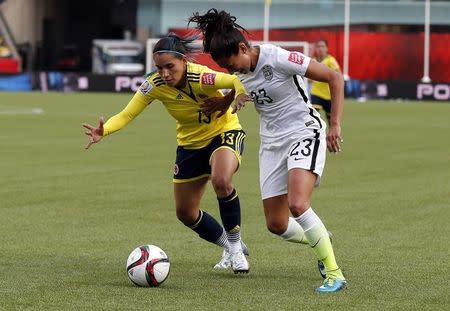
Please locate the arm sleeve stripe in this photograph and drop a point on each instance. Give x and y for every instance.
(299, 88)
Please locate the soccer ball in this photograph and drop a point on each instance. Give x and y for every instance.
(148, 266)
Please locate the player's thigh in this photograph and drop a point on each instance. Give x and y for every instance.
(306, 161)
(273, 170)
(276, 212)
(187, 198)
(224, 164)
(226, 151)
(191, 165)
(308, 152)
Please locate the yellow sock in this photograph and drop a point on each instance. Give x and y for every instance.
(324, 252)
(319, 240)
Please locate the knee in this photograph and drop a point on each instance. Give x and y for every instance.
(187, 217)
(276, 227)
(222, 185)
(299, 207)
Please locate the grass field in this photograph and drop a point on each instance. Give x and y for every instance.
(70, 217)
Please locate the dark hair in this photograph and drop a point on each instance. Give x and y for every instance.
(324, 41)
(175, 44)
(221, 33)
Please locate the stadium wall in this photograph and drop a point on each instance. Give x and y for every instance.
(300, 13)
(87, 82)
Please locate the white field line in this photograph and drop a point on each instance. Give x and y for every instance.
(24, 111)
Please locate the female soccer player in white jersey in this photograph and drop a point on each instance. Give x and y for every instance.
(208, 146)
(293, 138)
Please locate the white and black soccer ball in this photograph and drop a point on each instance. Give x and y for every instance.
(148, 266)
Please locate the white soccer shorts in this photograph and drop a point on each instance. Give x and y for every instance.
(306, 150)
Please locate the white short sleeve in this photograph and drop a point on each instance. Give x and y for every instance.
(292, 63)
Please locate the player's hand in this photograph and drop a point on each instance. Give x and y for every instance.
(240, 101)
(334, 139)
(214, 104)
(95, 134)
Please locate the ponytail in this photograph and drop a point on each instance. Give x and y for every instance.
(221, 33)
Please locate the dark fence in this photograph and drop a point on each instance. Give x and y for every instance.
(87, 82)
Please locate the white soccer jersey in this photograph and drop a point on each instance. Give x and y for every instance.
(279, 93)
(292, 132)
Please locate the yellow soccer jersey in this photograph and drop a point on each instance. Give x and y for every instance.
(321, 89)
(194, 129)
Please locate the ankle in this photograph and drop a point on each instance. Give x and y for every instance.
(337, 273)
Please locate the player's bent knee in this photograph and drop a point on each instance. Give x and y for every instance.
(222, 185)
(187, 217)
(298, 208)
(276, 227)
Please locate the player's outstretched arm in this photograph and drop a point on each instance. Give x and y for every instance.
(95, 134)
(136, 105)
(319, 72)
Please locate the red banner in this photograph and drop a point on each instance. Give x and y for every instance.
(9, 65)
(374, 55)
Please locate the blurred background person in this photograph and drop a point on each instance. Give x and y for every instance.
(320, 91)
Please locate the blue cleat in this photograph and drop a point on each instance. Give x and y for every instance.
(331, 285)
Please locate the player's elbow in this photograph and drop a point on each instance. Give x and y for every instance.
(335, 79)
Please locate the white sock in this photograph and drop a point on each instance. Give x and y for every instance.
(309, 220)
(234, 242)
(294, 233)
(223, 240)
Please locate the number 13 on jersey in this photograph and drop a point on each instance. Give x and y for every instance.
(228, 138)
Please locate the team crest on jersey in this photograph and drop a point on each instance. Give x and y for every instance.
(268, 72)
(296, 58)
(179, 96)
(145, 87)
(176, 169)
(209, 78)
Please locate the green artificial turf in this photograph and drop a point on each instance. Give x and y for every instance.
(70, 217)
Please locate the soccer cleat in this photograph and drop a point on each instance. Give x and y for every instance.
(320, 265)
(224, 262)
(244, 249)
(332, 284)
(239, 263)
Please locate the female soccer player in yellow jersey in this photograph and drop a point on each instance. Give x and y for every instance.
(208, 146)
(320, 91)
(293, 144)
